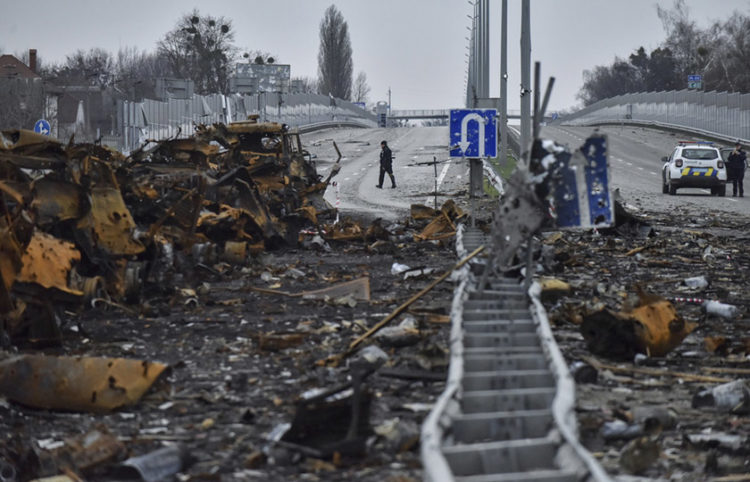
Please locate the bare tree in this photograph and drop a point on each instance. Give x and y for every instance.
(728, 66)
(689, 44)
(361, 90)
(201, 48)
(95, 68)
(259, 57)
(137, 71)
(306, 85)
(335, 56)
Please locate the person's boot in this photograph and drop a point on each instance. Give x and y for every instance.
(393, 182)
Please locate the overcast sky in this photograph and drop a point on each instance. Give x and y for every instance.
(414, 47)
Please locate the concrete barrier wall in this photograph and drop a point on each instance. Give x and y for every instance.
(721, 115)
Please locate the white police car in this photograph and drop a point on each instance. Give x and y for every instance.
(694, 164)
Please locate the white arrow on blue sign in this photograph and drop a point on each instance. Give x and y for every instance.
(473, 133)
(42, 127)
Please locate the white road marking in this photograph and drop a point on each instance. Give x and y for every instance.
(654, 173)
(629, 163)
(346, 178)
(730, 199)
(440, 179)
(640, 168)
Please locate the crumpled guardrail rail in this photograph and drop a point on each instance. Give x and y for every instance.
(572, 460)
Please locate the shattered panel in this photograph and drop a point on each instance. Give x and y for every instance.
(47, 262)
(111, 223)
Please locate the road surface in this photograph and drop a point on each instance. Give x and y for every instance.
(635, 166)
(356, 189)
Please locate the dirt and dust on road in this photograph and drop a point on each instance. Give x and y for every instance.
(189, 311)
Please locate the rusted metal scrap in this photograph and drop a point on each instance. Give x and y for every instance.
(652, 328)
(443, 224)
(86, 384)
(118, 220)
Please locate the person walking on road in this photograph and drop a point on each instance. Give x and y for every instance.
(386, 165)
(736, 169)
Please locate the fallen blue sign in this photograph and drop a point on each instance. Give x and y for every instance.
(579, 186)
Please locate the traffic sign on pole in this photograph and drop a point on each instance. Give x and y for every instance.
(473, 133)
(695, 81)
(42, 127)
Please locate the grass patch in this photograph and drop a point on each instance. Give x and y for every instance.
(503, 171)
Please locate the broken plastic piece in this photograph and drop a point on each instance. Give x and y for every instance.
(729, 397)
(722, 310)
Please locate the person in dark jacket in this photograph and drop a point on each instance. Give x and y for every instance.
(736, 169)
(386, 165)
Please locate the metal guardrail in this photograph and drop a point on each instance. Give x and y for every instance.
(721, 115)
(507, 411)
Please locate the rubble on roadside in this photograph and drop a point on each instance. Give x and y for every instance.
(183, 294)
(683, 346)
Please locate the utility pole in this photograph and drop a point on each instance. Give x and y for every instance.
(503, 155)
(525, 78)
(485, 48)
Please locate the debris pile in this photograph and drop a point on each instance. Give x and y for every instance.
(655, 323)
(81, 222)
(218, 256)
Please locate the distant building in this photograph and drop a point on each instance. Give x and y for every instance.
(23, 95)
(12, 68)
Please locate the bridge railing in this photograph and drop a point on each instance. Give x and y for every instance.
(433, 114)
(722, 115)
(154, 119)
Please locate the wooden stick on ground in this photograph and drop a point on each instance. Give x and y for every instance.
(411, 300)
(688, 377)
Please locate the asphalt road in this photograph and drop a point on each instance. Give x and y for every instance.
(356, 189)
(635, 163)
(635, 168)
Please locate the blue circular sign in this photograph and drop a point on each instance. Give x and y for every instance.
(42, 127)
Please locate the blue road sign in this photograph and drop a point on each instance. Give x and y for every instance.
(42, 127)
(473, 133)
(695, 78)
(581, 189)
(554, 115)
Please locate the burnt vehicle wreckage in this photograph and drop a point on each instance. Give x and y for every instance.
(83, 223)
(108, 263)
(192, 311)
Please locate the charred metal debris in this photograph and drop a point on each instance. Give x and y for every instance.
(129, 243)
(83, 224)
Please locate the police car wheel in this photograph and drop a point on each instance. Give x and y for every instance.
(672, 189)
(721, 191)
(664, 187)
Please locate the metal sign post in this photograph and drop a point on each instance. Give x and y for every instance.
(473, 135)
(695, 82)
